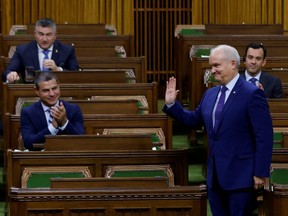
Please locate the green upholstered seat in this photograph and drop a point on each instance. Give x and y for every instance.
(131, 171)
(39, 177)
(279, 176)
(42, 180)
(192, 32)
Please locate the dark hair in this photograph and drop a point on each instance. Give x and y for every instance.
(46, 22)
(255, 45)
(44, 77)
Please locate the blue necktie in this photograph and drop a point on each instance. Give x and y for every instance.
(45, 52)
(219, 107)
(253, 81)
(50, 118)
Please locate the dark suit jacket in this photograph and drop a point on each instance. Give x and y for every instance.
(272, 85)
(34, 124)
(27, 55)
(242, 146)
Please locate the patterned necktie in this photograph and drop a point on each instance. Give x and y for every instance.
(45, 52)
(50, 118)
(219, 107)
(253, 81)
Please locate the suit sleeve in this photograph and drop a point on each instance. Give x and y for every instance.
(75, 117)
(277, 91)
(15, 65)
(263, 132)
(30, 130)
(71, 62)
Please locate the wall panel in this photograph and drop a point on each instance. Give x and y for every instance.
(113, 12)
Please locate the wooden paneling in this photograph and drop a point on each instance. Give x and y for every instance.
(118, 13)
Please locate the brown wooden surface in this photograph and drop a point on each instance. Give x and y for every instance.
(109, 182)
(276, 47)
(97, 142)
(96, 124)
(137, 64)
(97, 162)
(95, 45)
(275, 202)
(11, 92)
(245, 29)
(179, 201)
(74, 29)
(275, 66)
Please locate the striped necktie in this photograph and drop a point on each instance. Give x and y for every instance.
(50, 118)
(45, 52)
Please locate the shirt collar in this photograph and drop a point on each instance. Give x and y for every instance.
(232, 82)
(45, 108)
(248, 77)
(40, 49)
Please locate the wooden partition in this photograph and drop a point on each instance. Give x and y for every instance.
(100, 182)
(183, 200)
(76, 29)
(197, 67)
(85, 45)
(102, 64)
(244, 29)
(11, 92)
(97, 124)
(97, 162)
(276, 45)
(98, 142)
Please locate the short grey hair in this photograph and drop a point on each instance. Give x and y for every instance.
(46, 22)
(44, 77)
(229, 52)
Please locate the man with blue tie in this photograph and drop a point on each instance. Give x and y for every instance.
(254, 60)
(237, 120)
(50, 115)
(44, 53)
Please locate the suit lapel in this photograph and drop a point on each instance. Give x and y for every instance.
(34, 56)
(41, 114)
(230, 100)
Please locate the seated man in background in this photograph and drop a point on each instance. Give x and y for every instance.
(254, 59)
(50, 115)
(43, 53)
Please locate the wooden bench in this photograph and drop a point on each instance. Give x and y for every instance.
(100, 105)
(101, 65)
(80, 29)
(99, 182)
(182, 200)
(244, 29)
(97, 161)
(97, 124)
(198, 66)
(279, 105)
(276, 46)
(11, 92)
(85, 45)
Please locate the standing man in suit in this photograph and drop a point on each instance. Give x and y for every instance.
(49, 115)
(254, 60)
(240, 135)
(59, 57)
